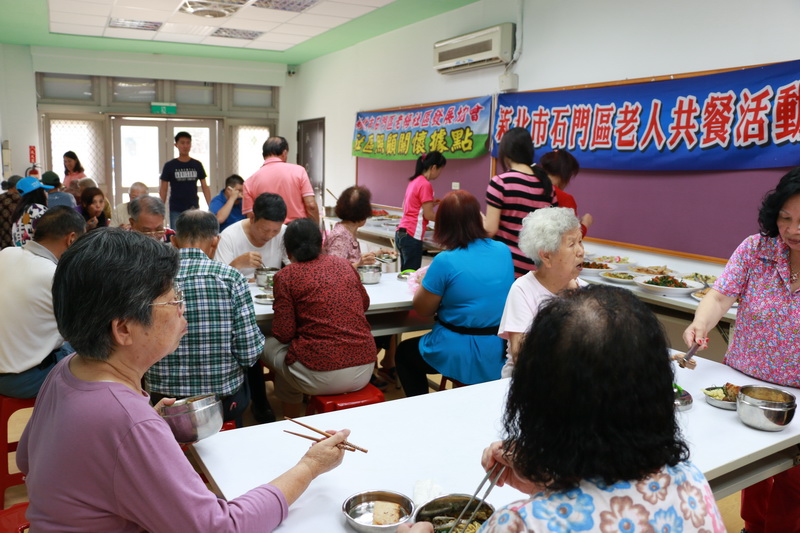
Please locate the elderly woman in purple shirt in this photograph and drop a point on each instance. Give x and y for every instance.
(764, 274)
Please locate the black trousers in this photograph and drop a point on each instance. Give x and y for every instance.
(412, 369)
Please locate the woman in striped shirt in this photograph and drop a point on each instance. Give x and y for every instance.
(520, 190)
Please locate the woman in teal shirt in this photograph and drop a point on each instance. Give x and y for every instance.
(466, 288)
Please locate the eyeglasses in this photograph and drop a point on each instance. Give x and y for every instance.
(156, 234)
(178, 301)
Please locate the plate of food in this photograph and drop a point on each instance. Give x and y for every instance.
(618, 260)
(702, 278)
(652, 270)
(592, 268)
(698, 295)
(264, 299)
(666, 285)
(722, 397)
(618, 277)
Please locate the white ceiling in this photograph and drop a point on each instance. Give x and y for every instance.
(255, 24)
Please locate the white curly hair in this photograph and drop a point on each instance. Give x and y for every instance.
(543, 229)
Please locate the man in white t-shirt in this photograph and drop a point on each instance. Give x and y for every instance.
(248, 244)
(30, 343)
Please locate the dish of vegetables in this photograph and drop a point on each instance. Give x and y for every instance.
(666, 281)
(618, 277)
(666, 285)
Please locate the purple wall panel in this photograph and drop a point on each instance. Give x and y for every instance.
(706, 213)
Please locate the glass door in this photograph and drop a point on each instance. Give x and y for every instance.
(143, 145)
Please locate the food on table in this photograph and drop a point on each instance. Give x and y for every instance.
(666, 281)
(596, 265)
(394, 216)
(726, 393)
(613, 259)
(653, 271)
(617, 275)
(702, 278)
(765, 394)
(445, 523)
(379, 212)
(702, 292)
(385, 513)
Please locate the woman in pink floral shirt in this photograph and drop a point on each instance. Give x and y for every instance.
(764, 274)
(353, 208)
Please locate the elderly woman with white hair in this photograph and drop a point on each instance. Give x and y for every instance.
(553, 240)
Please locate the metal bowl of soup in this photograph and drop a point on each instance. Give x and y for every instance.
(765, 408)
(195, 418)
(369, 274)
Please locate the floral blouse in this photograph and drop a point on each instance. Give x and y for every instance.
(22, 229)
(341, 243)
(673, 499)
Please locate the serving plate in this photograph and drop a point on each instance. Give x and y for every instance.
(606, 275)
(720, 404)
(616, 260)
(699, 297)
(595, 271)
(643, 271)
(691, 286)
(264, 299)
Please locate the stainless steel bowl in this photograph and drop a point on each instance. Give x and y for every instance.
(264, 276)
(765, 408)
(369, 274)
(357, 510)
(193, 419)
(449, 507)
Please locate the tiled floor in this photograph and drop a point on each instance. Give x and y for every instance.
(729, 506)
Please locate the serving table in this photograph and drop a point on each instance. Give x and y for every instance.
(438, 438)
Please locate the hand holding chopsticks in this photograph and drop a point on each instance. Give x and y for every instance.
(347, 446)
(494, 473)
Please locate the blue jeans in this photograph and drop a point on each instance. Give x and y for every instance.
(410, 250)
(27, 384)
(173, 218)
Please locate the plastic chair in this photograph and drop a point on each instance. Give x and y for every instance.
(13, 519)
(337, 402)
(9, 406)
(445, 379)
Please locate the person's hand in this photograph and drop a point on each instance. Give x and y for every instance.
(247, 260)
(367, 259)
(91, 223)
(232, 194)
(495, 454)
(163, 402)
(437, 201)
(389, 251)
(587, 220)
(419, 527)
(325, 455)
(696, 332)
(126, 227)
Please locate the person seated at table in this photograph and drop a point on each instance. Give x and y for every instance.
(121, 214)
(764, 275)
(465, 287)
(29, 210)
(552, 238)
(92, 202)
(147, 217)
(227, 205)
(353, 207)
(56, 195)
(590, 429)
(249, 244)
(223, 340)
(561, 166)
(96, 455)
(321, 341)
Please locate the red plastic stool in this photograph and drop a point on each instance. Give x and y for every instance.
(336, 402)
(13, 519)
(9, 406)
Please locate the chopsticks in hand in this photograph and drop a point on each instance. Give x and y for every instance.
(345, 445)
(315, 439)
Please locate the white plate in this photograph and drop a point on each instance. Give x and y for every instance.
(595, 271)
(694, 295)
(606, 276)
(688, 275)
(691, 286)
(635, 270)
(621, 265)
(263, 299)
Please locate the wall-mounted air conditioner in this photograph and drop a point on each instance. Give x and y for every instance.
(482, 48)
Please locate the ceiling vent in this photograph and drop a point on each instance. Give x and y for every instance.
(211, 9)
(482, 48)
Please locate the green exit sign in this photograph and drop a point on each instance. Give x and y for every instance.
(163, 108)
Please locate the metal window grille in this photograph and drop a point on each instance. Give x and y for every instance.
(85, 138)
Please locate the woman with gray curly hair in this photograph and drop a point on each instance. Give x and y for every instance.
(552, 239)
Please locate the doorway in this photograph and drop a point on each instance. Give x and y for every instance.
(311, 154)
(142, 145)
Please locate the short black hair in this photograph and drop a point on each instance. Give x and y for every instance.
(233, 180)
(58, 222)
(109, 274)
(591, 396)
(354, 204)
(182, 135)
(274, 146)
(773, 202)
(269, 206)
(426, 161)
(302, 239)
(196, 226)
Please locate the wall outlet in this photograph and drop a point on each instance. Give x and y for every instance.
(455, 186)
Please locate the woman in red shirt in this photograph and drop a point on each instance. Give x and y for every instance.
(321, 341)
(561, 166)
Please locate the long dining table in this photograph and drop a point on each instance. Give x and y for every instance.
(436, 440)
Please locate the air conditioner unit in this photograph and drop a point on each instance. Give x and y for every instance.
(478, 49)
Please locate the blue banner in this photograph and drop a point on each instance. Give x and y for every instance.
(459, 130)
(742, 119)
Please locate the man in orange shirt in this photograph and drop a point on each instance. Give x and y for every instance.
(287, 180)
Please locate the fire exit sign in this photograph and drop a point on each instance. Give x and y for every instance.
(163, 108)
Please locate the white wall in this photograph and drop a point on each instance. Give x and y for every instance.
(18, 118)
(565, 42)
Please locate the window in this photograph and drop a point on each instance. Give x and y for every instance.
(247, 144)
(66, 87)
(133, 90)
(85, 138)
(252, 96)
(194, 93)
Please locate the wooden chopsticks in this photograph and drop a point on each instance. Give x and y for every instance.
(348, 446)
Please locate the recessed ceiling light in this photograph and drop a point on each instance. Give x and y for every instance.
(211, 9)
(286, 5)
(233, 33)
(134, 24)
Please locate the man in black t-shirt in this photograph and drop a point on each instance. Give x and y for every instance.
(179, 177)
